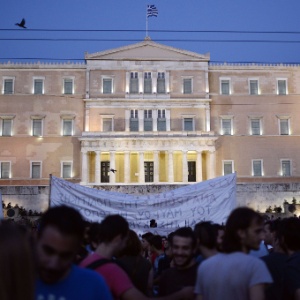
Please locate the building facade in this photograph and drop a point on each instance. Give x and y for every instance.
(147, 115)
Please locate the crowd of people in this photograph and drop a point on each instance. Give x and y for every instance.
(68, 258)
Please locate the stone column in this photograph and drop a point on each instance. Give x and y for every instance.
(212, 164)
(127, 84)
(141, 168)
(112, 165)
(184, 166)
(126, 167)
(127, 120)
(199, 167)
(154, 119)
(141, 119)
(170, 167)
(167, 82)
(154, 82)
(84, 167)
(141, 82)
(207, 117)
(87, 119)
(156, 166)
(168, 120)
(98, 167)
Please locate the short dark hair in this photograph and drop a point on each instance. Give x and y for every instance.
(133, 245)
(206, 233)
(240, 218)
(289, 233)
(186, 232)
(112, 226)
(65, 218)
(156, 241)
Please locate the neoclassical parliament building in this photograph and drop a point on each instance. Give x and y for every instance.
(147, 114)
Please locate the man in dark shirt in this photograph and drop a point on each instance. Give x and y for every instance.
(184, 272)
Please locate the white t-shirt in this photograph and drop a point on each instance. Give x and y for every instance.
(229, 276)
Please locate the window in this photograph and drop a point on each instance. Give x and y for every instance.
(281, 87)
(227, 167)
(161, 120)
(284, 126)
(188, 124)
(37, 127)
(7, 127)
(134, 121)
(5, 169)
(67, 125)
(134, 83)
(8, 86)
(148, 121)
(35, 170)
(161, 84)
(286, 167)
(147, 83)
(255, 127)
(257, 167)
(107, 84)
(225, 86)
(107, 124)
(38, 86)
(187, 85)
(66, 169)
(68, 86)
(253, 87)
(226, 126)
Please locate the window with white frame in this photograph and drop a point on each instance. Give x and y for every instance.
(228, 167)
(224, 86)
(284, 126)
(226, 126)
(147, 83)
(253, 86)
(68, 86)
(187, 85)
(286, 167)
(37, 126)
(148, 121)
(107, 85)
(107, 123)
(38, 86)
(257, 167)
(36, 169)
(188, 123)
(255, 124)
(66, 169)
(134, 120)
(134, 83)
(4, 169)
(67, 127)
(161, 83)
(161, 120)
(281, 86)
(7, 124)
(8, 86)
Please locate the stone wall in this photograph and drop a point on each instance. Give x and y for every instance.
(257, 196)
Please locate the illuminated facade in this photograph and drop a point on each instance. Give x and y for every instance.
(157, 115)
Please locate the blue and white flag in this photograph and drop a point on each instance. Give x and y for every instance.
(152, 11)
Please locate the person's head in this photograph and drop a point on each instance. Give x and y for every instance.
(17, 270)
(206, 234)
(183, 244)
(133, 245)
(114, 230)
(145, 240)
(220, 229)
(269, 238)
(59, 237)
(155, 243)
(243, 231)
(289, 234)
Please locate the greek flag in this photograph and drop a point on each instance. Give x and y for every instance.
(152, 11)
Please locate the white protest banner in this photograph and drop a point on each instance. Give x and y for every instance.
(211, 200)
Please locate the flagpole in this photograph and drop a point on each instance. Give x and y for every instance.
(147, 22)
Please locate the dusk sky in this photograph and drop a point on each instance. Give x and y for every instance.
(100, 25)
